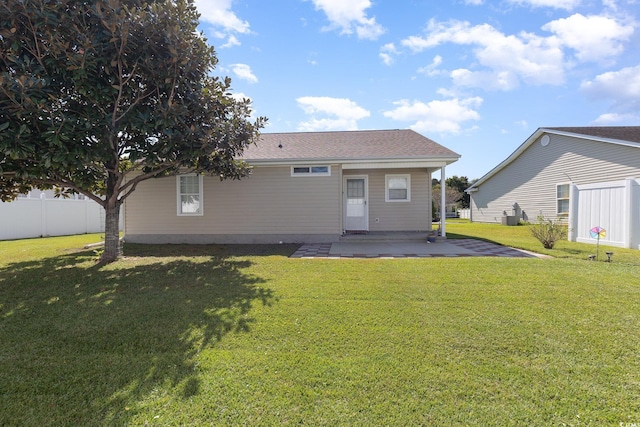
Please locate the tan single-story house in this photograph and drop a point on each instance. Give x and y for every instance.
(584, 176)
(307, 187)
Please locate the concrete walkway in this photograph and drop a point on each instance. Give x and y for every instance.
(450, 248)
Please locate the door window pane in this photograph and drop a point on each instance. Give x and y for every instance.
(355, 188)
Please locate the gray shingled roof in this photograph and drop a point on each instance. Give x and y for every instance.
(348, 145)
(622, 133)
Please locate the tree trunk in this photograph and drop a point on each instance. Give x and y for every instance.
(112, 249)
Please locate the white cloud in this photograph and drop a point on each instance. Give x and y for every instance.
(616, 118)
(432, 69)
(349, 17)
(343, 113)
(387, 53)
(526, 57)
(504, 61)
(474, 2)
(219, 14)
(243, 71)
(240, 96)
(492, 80)
(558, 4)
(444, 116)
(622, 85)
(311, 58)
(231, 41)
(593, 37)
(622, 89)
(447, 92)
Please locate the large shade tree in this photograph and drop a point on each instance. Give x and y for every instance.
(98, 96)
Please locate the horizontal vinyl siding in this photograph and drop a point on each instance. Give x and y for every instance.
(398, 216)
(270, 201)
(530, 180)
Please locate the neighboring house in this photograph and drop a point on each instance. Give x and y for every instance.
(304, 188)
(586, 176)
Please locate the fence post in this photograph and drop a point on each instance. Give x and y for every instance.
(86, 214)
(43, 215)
(573, 212)
(628, 213)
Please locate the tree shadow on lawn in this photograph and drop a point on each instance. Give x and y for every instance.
(90, 344)
(454, 236)
(235, 250)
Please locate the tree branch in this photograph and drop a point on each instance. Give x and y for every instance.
(61, 183)
(135, 181)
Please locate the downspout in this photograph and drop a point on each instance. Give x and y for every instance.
(443, 207)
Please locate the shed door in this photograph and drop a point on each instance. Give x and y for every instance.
(356, 209)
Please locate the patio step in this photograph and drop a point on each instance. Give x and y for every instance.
(388, 237)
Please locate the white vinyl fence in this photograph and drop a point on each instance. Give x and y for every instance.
(464, 213)
(28, 217)
(614, 206)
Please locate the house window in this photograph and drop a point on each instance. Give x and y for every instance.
(310, 170)
(398, 188)
(562, 196)
(189, 195)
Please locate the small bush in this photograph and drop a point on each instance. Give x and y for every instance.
(548, 231)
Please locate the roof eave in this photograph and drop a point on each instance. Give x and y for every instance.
(284, 162)
(506, 161)
(592, 137)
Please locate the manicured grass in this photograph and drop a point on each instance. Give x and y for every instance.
(239, 335)
(520, 237)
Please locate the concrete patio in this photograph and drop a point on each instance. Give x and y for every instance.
(411, 248)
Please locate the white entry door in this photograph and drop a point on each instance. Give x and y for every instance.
(355, 205)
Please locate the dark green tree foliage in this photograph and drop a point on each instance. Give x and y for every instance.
(460, 183)
(98, 96)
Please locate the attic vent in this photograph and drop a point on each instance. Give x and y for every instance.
(544, 141)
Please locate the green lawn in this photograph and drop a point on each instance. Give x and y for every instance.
(239, 335)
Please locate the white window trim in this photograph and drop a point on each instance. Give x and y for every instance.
(568, 198)
(386, 188)
(310, 172)
(179, 198)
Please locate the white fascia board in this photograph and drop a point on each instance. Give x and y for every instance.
(385, 163)
(592, 137)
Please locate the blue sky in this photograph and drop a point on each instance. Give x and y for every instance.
(476, 76)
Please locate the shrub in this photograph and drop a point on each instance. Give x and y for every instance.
(548, 231)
